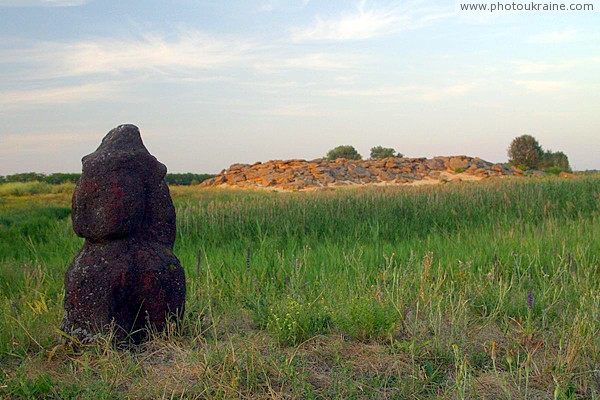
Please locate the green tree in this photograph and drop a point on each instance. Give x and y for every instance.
(379, 152)
(344, 151)
(187, 178)
(25, 177)
(58, 178)
(525, 151)
(555, 161)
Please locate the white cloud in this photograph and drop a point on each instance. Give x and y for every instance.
(545, 86)
(42, 3)
(569, 35)
(57, 95)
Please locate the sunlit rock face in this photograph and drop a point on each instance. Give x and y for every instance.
(126, 277)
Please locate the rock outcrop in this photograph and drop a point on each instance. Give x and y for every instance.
(126, 276)
(322, 173)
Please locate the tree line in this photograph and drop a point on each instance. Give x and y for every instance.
(187, 178)
(524, 152)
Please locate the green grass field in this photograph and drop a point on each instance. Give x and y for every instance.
(485, 290)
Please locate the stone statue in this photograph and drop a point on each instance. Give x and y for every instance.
(126, 276)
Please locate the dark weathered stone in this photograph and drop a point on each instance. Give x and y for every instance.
(126, 275)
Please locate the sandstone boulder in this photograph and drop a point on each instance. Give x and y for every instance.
(460, 162)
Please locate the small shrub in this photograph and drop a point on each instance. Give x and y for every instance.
(258, 305)
(292, 322)
(367, 318)
(379, 152)
(522, 167)
(459, 170)
(345, 151)
(554, 170)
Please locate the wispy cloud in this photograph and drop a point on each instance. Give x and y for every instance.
(57, 95)
(192, 50)
(545, 86)
(397, 93)
(189, 55)
(42, 143)
(272, 5)
(96, 69)
(42, 3)
(288, 110)
(355, 26)
(266, 7)
(536, 67)
(564, 36)
(367, 22)
(312, 61)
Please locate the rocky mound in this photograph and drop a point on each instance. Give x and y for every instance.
(323, 173)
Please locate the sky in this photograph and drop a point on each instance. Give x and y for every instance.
(211, 83)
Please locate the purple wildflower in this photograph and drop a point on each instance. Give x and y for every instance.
(530, 299)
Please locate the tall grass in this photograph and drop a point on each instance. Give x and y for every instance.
(34, 187)
(486, 290)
